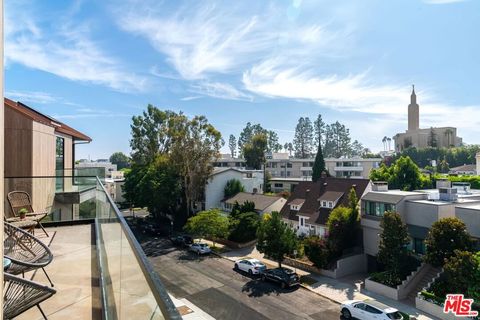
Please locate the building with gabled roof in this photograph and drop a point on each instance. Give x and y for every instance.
(263, 203)
(310, 204)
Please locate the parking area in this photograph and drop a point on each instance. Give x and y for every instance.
(213, 285)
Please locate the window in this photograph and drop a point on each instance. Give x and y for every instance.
(324, 204)
(274, 164)
(360, 306)
(302, 221)
(278, 185)
(330, 204)
(289, 165)
(288, 173)
(377, 209)
(59, 162)
(418, 246)
(372, 310)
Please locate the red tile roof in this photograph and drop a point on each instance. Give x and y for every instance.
(312, 191)
(46, 120)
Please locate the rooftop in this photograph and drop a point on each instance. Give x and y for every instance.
(261, 201)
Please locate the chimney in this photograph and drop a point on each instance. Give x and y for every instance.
(380, 186)
(448, 194)
(443, 183)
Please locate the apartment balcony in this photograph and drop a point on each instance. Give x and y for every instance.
(357, 169)
(99, 270)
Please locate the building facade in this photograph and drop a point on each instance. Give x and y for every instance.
(443, 137)
(263, 203)
(309, 206)
(251, 180)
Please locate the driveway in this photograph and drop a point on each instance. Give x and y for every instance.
(212, 285)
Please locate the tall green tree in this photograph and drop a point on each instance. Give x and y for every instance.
(392, 250)
(195, 142)
(272, 144)
(403, 174)
(340, 230)
(209, 224)
(243, 227)
(120, 159)
(303, 139)
(275, 238)
(247, 134)
(232, 187)
(445, 236)
(232, 145)
(254, 151)
(319, 127)
(318, 165)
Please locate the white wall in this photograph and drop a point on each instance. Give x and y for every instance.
(471, 217)
(214, 190)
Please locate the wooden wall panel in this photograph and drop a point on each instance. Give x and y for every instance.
(18, 144)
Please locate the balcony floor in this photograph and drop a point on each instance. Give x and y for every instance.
(73, 272)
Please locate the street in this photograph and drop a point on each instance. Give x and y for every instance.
(211, 283)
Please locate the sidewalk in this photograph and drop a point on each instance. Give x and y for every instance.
(189, 311)
(337, 290)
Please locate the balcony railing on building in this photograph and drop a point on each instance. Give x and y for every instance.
(128, 285)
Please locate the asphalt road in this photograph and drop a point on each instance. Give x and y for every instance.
(211, 283)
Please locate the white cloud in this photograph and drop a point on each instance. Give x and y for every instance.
(220, 90)
(63, 48)
(31, 96)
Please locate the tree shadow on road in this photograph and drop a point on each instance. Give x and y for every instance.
(257, 288)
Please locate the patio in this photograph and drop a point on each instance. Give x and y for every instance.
(73, 272)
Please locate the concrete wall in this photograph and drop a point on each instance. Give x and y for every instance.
(214, 190)
(371, 239)
(471, 217)
(433, 309)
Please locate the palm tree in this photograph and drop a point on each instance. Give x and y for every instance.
(384, 140)
(389, 141)
(448, 134)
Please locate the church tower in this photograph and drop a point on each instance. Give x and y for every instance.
(413, 112)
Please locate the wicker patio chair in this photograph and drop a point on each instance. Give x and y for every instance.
(20, 294)
(21, 200)
(25, 251)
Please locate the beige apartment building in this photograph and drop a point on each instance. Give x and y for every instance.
(419, 210)
(41, 154)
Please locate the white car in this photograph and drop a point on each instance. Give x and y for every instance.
(252, 266)
(369, 309)
(200, 248)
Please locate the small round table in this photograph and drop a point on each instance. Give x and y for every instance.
(6, 263)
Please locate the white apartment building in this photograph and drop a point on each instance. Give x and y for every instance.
(251, 180)
(101, 163)
(280, 165)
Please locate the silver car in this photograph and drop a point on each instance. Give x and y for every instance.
(252, 266)
(200, 248)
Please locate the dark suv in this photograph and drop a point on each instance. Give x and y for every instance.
(182, 240)
(285, 277)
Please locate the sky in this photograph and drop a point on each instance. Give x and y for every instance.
(95, 64)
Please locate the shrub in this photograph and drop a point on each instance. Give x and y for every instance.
(340, 229)
(244, 227)
(317, 251)
(233, 187)
(446, 236)
(388, 278)
(393, 243)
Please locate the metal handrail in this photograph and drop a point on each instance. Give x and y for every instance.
(168, 309)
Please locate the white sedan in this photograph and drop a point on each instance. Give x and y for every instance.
(200, 248)
(369, 309)
(252, 266)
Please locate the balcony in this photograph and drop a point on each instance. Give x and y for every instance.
(358, 169)
(99, 269)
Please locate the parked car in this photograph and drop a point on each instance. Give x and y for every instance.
(369, 309)
(200, 248)
(182, 240)
(285, 277)
(252, 266)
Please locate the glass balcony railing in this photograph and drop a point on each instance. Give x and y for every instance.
(129, 287)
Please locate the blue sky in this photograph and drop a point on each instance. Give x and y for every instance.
(95, 64)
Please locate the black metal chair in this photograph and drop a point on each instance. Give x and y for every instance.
(25, 251)
(20, 294)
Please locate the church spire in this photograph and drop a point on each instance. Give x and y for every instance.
(413, 97)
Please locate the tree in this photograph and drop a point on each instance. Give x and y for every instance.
(272, 142)
(254, 151)
(120, 159)
(384, 140)
(244, 227)
(445, 236)
(443, 166)
(318, 165)
(247, 206)
(316, 249)
(339, 230)
(247, 134)
(404, 174)
(209, 224)
(232, 145)
(432, 139)
(275, 238)
(290, 148)
(319, 127)
(357, 149)
(151, 134)
(232, 187)
(353, 204)
(392, 250)
(195, 143)
(302, 141)
(159, 178)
